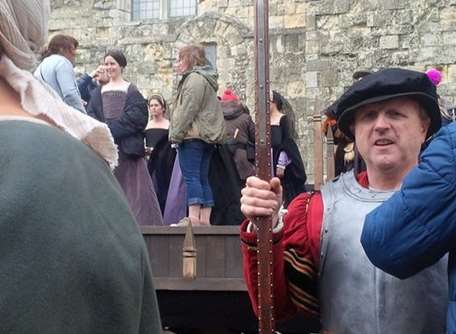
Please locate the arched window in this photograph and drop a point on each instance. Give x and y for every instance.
(162, 9)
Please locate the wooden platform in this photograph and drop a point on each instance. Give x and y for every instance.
(216, 301)
(219, 261)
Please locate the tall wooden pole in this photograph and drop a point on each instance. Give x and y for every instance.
(263, 165)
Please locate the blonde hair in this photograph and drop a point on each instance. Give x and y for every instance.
(193, 55)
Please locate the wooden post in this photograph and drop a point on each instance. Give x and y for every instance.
(330, 163)
(263, 165)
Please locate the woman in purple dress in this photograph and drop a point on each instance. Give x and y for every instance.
(163, 166)
(122, 107)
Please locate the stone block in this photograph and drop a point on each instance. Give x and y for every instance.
(222, 3)
(430, 39)
(279, 44)
(448, 18)
(329, 78)
(295, 89)
(331, 45)
(282, 10)
(290, 8)
(400, 58)
(395, 4)
(449, 37)
(295, 21)
(427, 54)
(389, 42)
(312, 35)
(311, 79)
(375, 19)
(317, 65)
(276, 22)
(291, 43)
(312, 47)
(331, 7)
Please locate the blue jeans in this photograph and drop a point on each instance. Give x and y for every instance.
(194, 158)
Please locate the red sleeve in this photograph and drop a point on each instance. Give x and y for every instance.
(296, 252)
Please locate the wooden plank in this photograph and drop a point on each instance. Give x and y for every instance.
(175, 255)
(200, 284)
(158, 255)
(197, 230)
(201, 253)
(215, 259)
(233, 259)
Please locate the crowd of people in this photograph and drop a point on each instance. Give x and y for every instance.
(194, 155)
(366, 254)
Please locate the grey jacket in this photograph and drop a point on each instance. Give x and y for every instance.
(197, 113)
(58, 72)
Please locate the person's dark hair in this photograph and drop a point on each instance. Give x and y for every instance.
(284, 106)
(58, 43)
(160, 100)
(118, 56)
(193, 55)
(245, 109)
(277, 99)
(361, 74)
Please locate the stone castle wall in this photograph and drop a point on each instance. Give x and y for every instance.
(316, 45)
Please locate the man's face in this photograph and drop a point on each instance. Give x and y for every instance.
(389, 134)
(70, 54)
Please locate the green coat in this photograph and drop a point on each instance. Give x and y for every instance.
(197, 113)
(72, 259)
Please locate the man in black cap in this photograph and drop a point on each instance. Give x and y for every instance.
(320, 267)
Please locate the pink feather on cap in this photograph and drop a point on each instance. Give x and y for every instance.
(434, 75)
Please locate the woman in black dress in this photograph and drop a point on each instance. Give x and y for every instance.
(158, 148)
(287, 161)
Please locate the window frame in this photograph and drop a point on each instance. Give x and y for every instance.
(164, 12)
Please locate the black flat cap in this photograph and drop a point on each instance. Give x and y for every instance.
(384, 85)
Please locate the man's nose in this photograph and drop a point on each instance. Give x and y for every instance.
(381, 122)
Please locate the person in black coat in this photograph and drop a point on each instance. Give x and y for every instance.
(286, 158)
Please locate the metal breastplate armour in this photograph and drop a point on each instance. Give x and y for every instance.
(355, 296)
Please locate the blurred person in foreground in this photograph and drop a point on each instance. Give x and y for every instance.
(71, 257)
(56, 69)
(320, 267)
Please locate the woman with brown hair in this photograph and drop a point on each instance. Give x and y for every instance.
(161, 164)
(122, 107)
(196, 124)
(286, 158)
(56, 69)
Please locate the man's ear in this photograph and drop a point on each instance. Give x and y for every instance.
(425, 124)
(352, 129)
